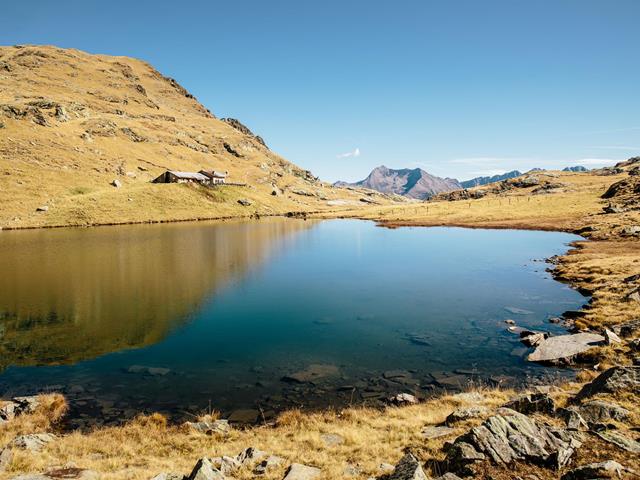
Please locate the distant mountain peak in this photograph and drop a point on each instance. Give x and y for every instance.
(476, 182)
(412, 183)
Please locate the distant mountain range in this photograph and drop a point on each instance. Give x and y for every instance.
(476, 182)
(421, 185)
(577, 168)
(411, 183)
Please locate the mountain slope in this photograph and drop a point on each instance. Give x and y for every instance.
(476, 182)
(412, 183)
(72, 123)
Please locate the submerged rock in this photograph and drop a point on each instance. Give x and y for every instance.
(311, 374)
(564, 347)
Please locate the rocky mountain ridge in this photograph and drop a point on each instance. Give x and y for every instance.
(412, 183)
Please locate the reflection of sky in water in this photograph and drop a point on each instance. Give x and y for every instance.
(255, 301)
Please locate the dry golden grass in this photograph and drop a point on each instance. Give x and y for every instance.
(147, 445)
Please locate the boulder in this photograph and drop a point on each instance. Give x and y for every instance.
(608, 469)
(116, 183)
(511, 436)
(597, 411)
(6, 457)
(34, 442)
(461, 414)
(610, 338)
(634, 344)
(204, 470)
(408, 468)
(563, 347)
(42, 208)
(572, 418)
(532, 339)
(297, 471)
(532, 403)
(403, 399)
(627, 329)
(613, 380)
(250, 455)
(244, 202)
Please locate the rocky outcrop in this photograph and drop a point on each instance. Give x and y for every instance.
(532, 403)
(18, 406)
(235, 123)
(297, 471)
(615, 379)
(462, 414)
(511, 436)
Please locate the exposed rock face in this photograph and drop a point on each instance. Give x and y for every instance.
(412, 183)
(532, 403)
(408, 468)
(564, 347)
(476, 182)
(510, 436)
(242, 128)
(613, 380)
(597, 411)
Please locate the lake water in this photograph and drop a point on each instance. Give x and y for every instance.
(268, 314)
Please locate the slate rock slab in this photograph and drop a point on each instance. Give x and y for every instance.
(564, 347)
(617, 438)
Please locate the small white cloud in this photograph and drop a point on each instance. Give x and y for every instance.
(355, 153)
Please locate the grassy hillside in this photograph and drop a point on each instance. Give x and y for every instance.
(72, 123)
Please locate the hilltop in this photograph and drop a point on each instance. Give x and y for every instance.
(82, 136)
(412, 183)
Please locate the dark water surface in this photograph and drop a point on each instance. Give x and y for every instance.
(181, 317)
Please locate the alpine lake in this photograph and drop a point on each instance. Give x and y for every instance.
(250, 318)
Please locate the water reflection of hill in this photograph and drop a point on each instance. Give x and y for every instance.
(70, 295)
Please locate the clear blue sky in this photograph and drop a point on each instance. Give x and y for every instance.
(457, 87)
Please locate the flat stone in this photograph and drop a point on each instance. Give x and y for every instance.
(564, 347)
(297, 471)
(461, 414)
(518, 311)
(332, 439)
(436, 431)
(615, 379)
(34, 442)
(152, 371)
(312, 374)
(615, 437)
(408, 468)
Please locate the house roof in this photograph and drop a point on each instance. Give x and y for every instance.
(189, 175)
(214, 173)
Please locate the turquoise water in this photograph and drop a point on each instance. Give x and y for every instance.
(227, 312)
